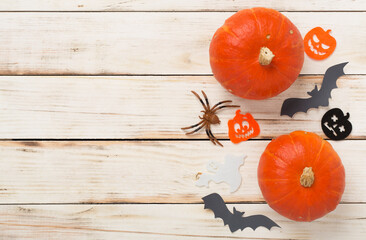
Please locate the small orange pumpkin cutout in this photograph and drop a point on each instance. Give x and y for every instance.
(319, 44)
(242, 127)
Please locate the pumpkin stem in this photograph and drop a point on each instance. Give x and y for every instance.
(307, 177)
(265, 56)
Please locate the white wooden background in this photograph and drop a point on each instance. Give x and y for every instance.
(92, 98)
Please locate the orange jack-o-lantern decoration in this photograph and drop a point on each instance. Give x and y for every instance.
(319, 44)
(242, 127)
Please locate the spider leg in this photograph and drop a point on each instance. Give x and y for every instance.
(195, 125)
(207, 103)
(197, 129)
(219, 103)
(209, 136)
(214, 138)
(221, 107)
(199, 98)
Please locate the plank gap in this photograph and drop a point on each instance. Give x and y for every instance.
(142, 139)
(176, 11)
(144, 203)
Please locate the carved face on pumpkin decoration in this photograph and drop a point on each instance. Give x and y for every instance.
(242, 127)
(335, 124)
(319, 44)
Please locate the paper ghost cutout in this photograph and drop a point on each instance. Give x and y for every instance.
(318, 97)
(319, 44)
(235, 220)
(335, 124)
(227, 172)
(242, 127)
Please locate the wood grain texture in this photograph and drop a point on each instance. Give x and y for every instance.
(172, 5)
(137, 189)
(141, 172)
(168, 221)
(147, 43)
(153, 107)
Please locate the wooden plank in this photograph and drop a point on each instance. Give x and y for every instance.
(153, 107)
(147, 43)
(187, 5)
(141, 172)
(168, 221)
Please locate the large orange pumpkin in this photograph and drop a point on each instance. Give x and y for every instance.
(257, 54)
(301, 176)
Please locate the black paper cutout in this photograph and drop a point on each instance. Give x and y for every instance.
(318, 97)
(336, 125)
(235, 220)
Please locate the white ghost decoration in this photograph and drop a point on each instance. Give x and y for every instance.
(227, 172)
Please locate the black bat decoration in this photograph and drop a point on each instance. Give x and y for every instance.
(318, 97)
(235, 220)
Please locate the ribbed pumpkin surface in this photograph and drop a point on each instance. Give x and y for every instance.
(281, 167)
(235, 49)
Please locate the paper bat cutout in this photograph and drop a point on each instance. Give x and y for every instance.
(227, 172)
(235, 220)
(318, 97)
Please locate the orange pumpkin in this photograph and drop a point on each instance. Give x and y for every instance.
(257, 54)
(301, 176)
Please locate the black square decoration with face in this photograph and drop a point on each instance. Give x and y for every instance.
(335, 124)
